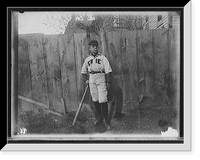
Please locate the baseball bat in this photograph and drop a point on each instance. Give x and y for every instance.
(80, 105)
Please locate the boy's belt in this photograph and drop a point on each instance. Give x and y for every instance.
(95, 72)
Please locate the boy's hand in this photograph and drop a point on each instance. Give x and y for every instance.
(86, 82)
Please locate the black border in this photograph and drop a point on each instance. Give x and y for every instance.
(142, 8)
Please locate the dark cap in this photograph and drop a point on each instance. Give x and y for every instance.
(93, 42)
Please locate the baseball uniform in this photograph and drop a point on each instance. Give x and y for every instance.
(97, 66)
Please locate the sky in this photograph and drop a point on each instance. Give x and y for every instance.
(42, 22)
(53, 22)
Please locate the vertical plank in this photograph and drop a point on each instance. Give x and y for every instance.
(125, 67)
(78, 42)
(45, 73)
(112, 51)
(39, 87)
(64, 74)
(24, 79)
(145, 68)
(173, 90)
(160, 66)
(24, 74)
(85, 54)
(60, 53)
(69, 72)
(53, 72)
(114, 54)
(129, 68)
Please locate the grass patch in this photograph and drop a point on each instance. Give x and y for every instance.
(135, 122)
(46, 123)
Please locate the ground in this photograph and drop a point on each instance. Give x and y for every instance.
(134, 122)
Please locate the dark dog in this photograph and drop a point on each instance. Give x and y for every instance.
(115, 104)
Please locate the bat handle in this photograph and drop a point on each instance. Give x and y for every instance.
(80, 105)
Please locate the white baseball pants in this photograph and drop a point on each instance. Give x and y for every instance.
(98, 88)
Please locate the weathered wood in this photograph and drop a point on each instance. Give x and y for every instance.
(39, 104)
(61, 79)
(173, 90)
(132, 56)
(129, 68)
(52, 63)
(137, 80)
(64, 77)
(160, 66)
(110, 42)
(45, 74)
(24, 74)
(125, 68)
(33, 101)
(78, 42)
(69, 72)
(145, 68)
(39, 87)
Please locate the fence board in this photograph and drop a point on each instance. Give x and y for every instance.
(161, 48)
(24, 74)
(111, 49)
(53, 72)
(39, 87)
(129, 68)
(113, 52)
(79, 57)
(145, 68)
(64, 74)
(130, 62)
(125, 67)
(69, 72)
(148, 58)
(173, 90)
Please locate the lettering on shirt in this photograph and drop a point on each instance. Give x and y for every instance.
(90, 62)
(98, 61)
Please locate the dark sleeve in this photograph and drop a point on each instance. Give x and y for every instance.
(108, 77)
(85, 77)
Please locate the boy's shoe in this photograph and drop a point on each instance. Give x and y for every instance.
(98, 121)
(107, 124)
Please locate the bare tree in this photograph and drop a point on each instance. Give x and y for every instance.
(82, 22)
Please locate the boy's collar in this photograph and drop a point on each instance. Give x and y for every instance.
(96, 55)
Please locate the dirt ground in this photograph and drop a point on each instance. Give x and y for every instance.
(135, 121)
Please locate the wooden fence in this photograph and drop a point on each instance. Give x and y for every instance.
(145, 67)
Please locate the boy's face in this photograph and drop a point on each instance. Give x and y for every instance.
(93, 49)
